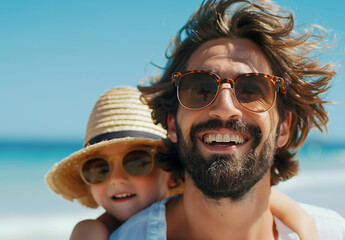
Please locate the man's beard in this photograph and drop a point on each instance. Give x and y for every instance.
(226, 175)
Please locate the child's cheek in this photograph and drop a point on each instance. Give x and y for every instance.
(99, 194)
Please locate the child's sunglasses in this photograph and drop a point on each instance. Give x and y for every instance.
(138, 162)
(255, 92)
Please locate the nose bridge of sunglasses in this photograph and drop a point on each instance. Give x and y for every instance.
(226, 83)
(115, 166)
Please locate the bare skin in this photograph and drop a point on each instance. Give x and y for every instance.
(132, 194)
(99, 228)
(293, 216)
(199, 216)
(192, 215)
(205, 219)
(281, 206)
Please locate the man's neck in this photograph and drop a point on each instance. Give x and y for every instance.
(193, 216)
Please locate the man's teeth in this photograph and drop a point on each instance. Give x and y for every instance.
(223, 138)
(124, 195)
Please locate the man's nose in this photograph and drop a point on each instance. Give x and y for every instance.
(225, 105)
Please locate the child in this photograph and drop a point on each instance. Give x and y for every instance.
(120, 128)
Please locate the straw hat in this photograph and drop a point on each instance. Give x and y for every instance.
(119, 117)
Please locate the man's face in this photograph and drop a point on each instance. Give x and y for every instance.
(225, 148)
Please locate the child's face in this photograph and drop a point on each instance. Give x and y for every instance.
(123, 195)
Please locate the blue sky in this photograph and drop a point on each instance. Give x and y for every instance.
(58, 57)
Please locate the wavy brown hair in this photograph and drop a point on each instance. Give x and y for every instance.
(293, 55)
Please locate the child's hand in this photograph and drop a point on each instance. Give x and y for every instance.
(292, 215)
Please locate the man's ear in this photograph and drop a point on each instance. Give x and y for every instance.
(171, 128)
(284, 132)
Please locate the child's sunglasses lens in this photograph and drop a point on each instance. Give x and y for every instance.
(95, 170)
(138, 163)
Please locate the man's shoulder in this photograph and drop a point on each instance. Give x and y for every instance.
(328, 222)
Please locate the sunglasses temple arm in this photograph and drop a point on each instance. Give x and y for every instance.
(280, 85)
(277, 87)
(175, 78)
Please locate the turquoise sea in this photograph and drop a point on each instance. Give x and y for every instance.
(30, 210)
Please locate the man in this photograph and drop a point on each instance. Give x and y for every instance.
(239, 93)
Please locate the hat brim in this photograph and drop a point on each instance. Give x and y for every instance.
(64, 178)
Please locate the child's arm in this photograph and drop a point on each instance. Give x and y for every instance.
(291, 214)
(89, 230)
(92, 229)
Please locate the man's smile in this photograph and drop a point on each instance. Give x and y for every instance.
(223, 138)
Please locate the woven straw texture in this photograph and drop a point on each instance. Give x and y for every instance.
(119, 109)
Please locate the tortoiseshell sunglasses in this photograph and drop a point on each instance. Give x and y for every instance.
(256, 92)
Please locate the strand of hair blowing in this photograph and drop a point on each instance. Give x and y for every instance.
(291, 53)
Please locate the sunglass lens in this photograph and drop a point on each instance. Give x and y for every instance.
(255, 92)
(138, 163)
(96, 170)
(197, 90)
